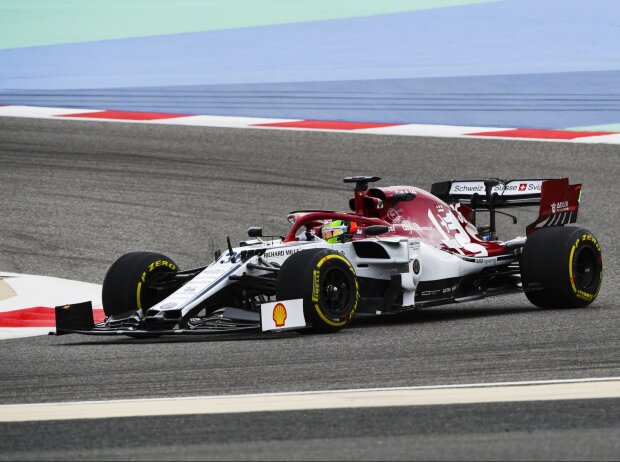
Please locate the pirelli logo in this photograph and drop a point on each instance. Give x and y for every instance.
(316, 277)
(584, 295)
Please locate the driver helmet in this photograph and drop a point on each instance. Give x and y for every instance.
(336, 228)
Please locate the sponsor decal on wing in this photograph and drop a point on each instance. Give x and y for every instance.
(561, 206)
(511, 188)
(518, 187)
(283, 314)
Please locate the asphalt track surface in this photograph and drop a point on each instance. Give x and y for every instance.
(76, 195)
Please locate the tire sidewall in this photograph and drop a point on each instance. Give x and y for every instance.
(302, 276)
(549, 258)
(126, 283)
(319, 269)
(585, 241)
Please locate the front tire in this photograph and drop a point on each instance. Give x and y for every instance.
(561, 267)
(130, 282)
(326, 282)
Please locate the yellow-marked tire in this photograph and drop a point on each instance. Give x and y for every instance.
(326, 282)
(132, 282)
(561, 267)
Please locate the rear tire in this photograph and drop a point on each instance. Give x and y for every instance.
(561, 267)
(128, 284)
(326, 282)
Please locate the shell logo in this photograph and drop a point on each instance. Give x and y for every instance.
(279, 315)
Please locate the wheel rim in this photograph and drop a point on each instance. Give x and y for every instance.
(336, 290)
(586, 269)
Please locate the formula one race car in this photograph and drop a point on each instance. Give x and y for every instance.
(401, 248)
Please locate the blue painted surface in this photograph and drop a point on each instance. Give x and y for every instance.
(547, 64)
(539, 100)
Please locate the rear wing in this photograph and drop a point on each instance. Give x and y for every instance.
(558, 200)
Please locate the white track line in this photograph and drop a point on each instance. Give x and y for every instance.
(20, 293)
(608, 387)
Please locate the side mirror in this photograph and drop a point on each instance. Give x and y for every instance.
(403, 197)
(255, 232)
(375, 230)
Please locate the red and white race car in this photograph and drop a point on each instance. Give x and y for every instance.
(400, 248)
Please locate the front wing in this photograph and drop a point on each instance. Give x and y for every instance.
(78, 319)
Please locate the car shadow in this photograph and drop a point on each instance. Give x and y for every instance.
(420, 316)
(180, 338)
(439, 314)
